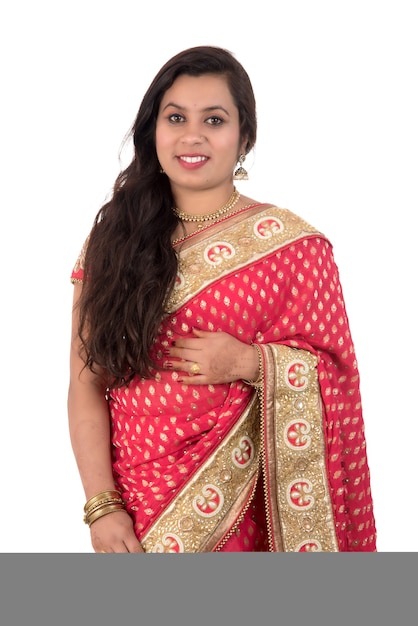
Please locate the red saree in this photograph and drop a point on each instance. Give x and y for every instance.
(228, 468)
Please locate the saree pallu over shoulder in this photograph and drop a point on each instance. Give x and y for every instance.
(238, 245)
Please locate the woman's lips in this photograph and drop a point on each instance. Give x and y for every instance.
(192, 162)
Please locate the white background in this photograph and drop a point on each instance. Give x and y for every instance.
(336, 88)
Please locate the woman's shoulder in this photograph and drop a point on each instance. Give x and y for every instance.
(287, 218)
(77, 274)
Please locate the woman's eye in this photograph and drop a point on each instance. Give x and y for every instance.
(175, 118)
(214, 120)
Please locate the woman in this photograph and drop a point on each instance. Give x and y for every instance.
(214, 399)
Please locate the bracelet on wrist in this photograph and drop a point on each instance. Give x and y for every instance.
(103, 496)
(260, 379)
(102, 511)
(101, 504)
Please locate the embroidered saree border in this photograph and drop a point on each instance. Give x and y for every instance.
(236, 246)
(291, 445)
(293, 453)
(290, 437)
(209, 505)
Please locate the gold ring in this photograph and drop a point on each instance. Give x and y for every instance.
(194, 369)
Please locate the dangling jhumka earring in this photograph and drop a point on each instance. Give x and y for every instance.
(241, 173)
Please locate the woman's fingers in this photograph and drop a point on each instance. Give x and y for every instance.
(114, 533)
(210, 358)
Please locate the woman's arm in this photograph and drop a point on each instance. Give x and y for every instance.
(89, 427)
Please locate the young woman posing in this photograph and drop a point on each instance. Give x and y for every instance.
(214, 400)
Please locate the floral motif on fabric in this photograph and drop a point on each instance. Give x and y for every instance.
(268, 226)
(244, 453)
(209, 502)
(216, 253)
(298, 494)
(309, 546)
(297, 375)
(297, 434)
(170, 543)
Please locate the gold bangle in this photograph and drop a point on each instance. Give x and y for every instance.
(105, 496)
(111, 508)
(101, 512)
(97, 503)
(259, 381)
(101, 503)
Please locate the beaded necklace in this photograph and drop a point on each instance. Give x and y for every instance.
(185, 237)
(187, 217)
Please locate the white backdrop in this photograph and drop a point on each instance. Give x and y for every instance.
(336, 87)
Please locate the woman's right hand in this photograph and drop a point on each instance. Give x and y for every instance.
(114, 533)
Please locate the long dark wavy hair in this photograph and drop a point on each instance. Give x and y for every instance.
(130, 264)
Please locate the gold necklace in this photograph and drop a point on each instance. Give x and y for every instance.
(200, 228)
(187, 217)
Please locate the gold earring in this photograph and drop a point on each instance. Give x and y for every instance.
(241, 173)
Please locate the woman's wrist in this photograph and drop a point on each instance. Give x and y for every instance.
(102, 503)
(257, 379)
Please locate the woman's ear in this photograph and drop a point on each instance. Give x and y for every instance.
(243, 146)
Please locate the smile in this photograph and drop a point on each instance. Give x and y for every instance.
(193, 159)
(195, 162)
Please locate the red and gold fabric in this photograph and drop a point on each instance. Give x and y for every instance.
(228, 468)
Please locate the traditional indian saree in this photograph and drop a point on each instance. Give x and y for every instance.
(228, 467)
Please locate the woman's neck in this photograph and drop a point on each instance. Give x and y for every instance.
(202, 202)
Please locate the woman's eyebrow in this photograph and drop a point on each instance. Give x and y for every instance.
(216, 107)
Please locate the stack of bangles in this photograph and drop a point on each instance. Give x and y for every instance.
(101, 504)
(259, 381)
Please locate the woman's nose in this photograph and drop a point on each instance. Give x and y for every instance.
(193, 134)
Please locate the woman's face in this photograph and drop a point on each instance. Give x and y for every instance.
(197, 133)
